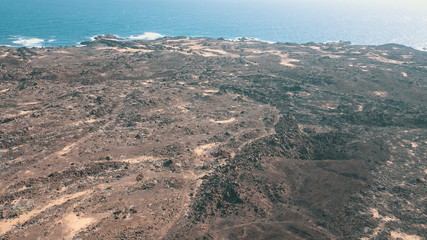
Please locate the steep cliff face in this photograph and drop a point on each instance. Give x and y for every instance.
(184, 138)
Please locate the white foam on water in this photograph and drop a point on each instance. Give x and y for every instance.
(250, 39)
(93, 38)
(79, 44)
(29, 42)
(146, 36)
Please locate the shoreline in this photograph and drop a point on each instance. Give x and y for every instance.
(151, 36)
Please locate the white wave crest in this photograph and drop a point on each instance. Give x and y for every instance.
(250, 39)
(93, 38)
(146, 36)
(29, 42)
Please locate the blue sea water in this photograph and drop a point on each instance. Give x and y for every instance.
(42, 23)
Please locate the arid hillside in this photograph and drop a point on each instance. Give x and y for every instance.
(183, 138)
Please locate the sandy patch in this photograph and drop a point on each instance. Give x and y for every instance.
(172, 47)
(62, 52)
(140, 46)
(332, 56)
(256, 51)
(288, 62)
(204, 149)
(404, 74)
(284, 58)
(197, 48)
(223, 121)
(406, 56)
(177, 40)
(4, 55)
(66, 149)
(375, 213)
(380, 94)
(404, 236)
(84, 122)
(221, 52)
(140, 159)
(389, 162)
(75, 224)
(193, 176)
(383, 220)
(304, 94)
(4, 90)
(315, 48)
(21, 113)
(129, 50)
(27, 103)
(125, 50)
(182, 108)
(301, 53)
(7, 225)
(211, 91)
(216, 53)
(104, 48)
(379, 58)
(329, 106)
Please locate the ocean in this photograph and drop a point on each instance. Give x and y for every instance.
(44, 23)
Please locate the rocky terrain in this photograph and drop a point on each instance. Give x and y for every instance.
(184, 138)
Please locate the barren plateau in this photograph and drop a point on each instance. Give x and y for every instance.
(195, 138)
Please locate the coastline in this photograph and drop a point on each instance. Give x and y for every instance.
(152, 36)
